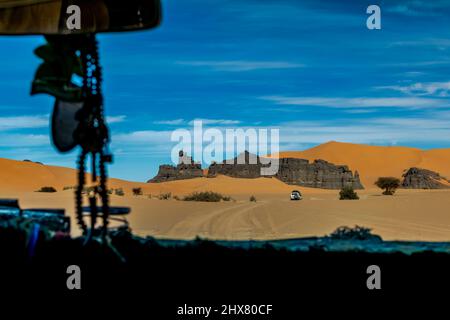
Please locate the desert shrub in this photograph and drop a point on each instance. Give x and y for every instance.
(119, 192)
(47, 190)
(207, 196)
(389, 184)
(69, 188)
(355, 233)
(226, 198)
(165, 196)
(252, 199)
(176, 198)
(348, 193)
(35, 162)
(137, 191)
(88, 190)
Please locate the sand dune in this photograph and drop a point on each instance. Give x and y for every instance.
(409, 215)
(28, 177)
(370, 161)
(375, 161)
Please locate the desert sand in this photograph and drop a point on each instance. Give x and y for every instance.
(375, 161)
(408, 215)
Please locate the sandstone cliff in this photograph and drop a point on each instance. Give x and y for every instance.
(417, 178)
(179, 172)
(246, 165)
(300, 172)
(318, 174)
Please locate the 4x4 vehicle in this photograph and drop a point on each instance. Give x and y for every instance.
(296, 195)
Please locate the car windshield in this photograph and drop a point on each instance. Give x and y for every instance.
(170, 113)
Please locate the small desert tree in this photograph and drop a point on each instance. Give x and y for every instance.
(137, 191)
(389, 184)
(119, 192)
(207, 196)
(348, 193)
(47, 190)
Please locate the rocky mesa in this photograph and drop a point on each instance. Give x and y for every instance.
(418, 178)
(292, 171)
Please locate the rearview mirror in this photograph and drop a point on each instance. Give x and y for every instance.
(52, 17)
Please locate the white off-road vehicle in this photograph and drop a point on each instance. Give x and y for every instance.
(296, 195)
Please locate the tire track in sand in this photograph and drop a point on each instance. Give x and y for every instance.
(224, 223)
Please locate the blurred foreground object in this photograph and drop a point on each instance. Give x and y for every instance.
(71, 72)
(49, 17)
(53, 220)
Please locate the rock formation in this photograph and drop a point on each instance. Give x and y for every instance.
(186, 169)
(417, 178)
(179, 172)
(299, 172)
(246, 165)
(319, 174)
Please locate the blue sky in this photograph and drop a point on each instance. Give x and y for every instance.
(310, 68)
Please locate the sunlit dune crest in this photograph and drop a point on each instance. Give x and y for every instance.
(375, 161)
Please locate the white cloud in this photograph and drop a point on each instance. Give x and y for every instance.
(361, 111)
(298, 134)
(418, 8)
(24, 140)
(241, 65)
(23, 122)
(425, 63)
(116, 119)
(439, 89)
(177, 122)
(381, 130)
(38, 121)
(407, 11)
(147, 137)
(434, 42)
(174, 122)
(216, 122)
(403, 102)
